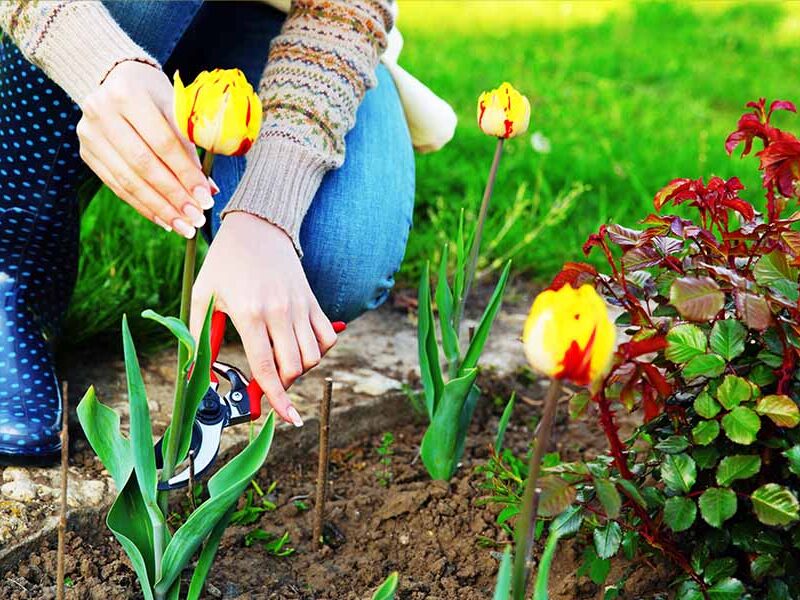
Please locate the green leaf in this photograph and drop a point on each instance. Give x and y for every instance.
(696, 298)
(679, 472)
(502, 425)
(719, 569)
(461, 262)
(607, 539)
(706, 406)
(733, 391)
(707, 365)
(475, 349)
(609, 497)
(684, 342)
(765, 564)
(596, 568)
(727, 338)
(567, 523)
(717, 505)
(689, 591)
(578, 403)
(444, 302)
(753, 309)
(705, 457)
(773, 271)
(465, 418)
(727, 589)
(545, 564)
(775, 505)
(793, 456)
(705, 432)
(738, 466)
(440, 442)
(781, 409)
(679, 513)
(387, 589)
(179, 330)
(224, 488)
(430, 369)
(741, 425)
(101, 426)
(556, 495)
(207, 555)
(674, 444)
(633, 492)
(502, 589)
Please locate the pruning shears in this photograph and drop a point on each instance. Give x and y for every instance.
(241, 404)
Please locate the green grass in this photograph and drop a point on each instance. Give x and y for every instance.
(629, 96)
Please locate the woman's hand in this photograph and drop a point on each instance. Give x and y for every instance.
(255, 276)
(129, 139)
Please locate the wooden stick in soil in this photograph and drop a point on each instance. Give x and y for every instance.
(526, 522)
(62, 521)
(322, 467)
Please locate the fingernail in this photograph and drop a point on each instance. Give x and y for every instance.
(203, 197)
(294, 416)
(161, 224)
(214, 187)
(183, 228)
(196, 218)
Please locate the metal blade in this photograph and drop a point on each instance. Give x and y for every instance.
(205, 443)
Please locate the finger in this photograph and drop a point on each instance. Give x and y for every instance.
(143, 161)
(326, 336)
(158, 132)
(285, 347)
(307, 342)
(259, 355)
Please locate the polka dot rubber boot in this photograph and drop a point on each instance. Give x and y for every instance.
(39, 171)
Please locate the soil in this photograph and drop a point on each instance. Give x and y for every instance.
(428, 531)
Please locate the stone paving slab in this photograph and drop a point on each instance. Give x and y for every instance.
(370, 364)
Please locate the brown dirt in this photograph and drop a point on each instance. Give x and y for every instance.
(428, 531)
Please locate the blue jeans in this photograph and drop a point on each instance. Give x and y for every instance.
(355, 233)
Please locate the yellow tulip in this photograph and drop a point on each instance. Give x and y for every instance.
(569, 335)
(503, 112)
(219, 111)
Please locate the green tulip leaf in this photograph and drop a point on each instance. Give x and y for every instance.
(387, 589)
(101, 426)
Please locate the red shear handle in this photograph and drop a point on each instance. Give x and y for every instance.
(219, 321)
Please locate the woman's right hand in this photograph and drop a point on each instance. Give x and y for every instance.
(129, 139)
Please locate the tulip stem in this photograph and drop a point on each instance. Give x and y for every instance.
(475, 247)
(526, 522)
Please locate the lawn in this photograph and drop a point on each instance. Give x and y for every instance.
(625, 97)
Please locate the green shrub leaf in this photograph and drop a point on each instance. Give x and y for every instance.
(739, 466)
(741, 425)
(684, 342)
(775, 505)
(706, 406)
(705, 432)
(578, 404)
(727, 338)
(793, 456)
(727, 589)
(753, 310)
(679, 513)
(706, 457)
(674, 444)
(607, 539)
(609, 497)
(718, 569)
(696, 298)
(707, 365)
(556, 495)
(781, 409)
(733, 391)
(717, 505)
(679, 472)
(773, 271)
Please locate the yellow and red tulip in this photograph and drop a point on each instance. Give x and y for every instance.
(218, 111)
(504, 112)
(569, 335)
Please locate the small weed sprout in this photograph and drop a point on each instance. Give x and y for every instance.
(384, 474)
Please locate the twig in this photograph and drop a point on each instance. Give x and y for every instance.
(322, 468)
(62, 521)
(190, 490)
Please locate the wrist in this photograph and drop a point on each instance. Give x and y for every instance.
(248, 223)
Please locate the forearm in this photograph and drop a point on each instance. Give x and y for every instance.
(76, 43)
(319, 69)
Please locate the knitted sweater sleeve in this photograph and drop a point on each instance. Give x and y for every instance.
(76, 43)
(318, 70)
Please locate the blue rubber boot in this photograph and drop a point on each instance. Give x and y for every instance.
(39, 172)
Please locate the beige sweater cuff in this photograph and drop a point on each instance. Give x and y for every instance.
(81, 45)
(278, 185)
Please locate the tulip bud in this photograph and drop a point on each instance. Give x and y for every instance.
(503, 112)
(569, 335)
(219, 111)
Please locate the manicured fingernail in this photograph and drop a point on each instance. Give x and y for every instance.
(203, 197)
(183, 228)
(214, 187)
(294, 416)
(161, 224)
(195, 217)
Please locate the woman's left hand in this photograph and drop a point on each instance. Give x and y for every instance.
(255, 277)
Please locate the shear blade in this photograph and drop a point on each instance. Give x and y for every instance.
(205, 444)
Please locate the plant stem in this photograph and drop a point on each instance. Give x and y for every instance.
(474, 251)
(526, 522)
(322, 467)
(62, 520)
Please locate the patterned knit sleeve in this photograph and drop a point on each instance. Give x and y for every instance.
(318, 70)
(75, 43)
